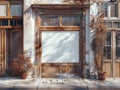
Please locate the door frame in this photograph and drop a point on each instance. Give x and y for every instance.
(3, 46)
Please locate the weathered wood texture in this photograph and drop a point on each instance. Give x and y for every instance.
(48, 70)
(52, 69)
(2, 52)
(108, 68)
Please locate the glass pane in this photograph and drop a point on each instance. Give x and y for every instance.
(3, 10)
(107, 47)
(113, 10)
(117, 38)
(109, 24)
(116, 25)
(118, 52)
(50, 20)
(19, 22)
(107, 52)
(3, 22)
(108, 39)
(16, 10)
(12, 22)
(117, 45)
(71, 20)
(60, 46)
(104, 8)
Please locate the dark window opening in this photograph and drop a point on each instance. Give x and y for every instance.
(3, 22)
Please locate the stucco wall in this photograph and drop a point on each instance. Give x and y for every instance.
(29, 30)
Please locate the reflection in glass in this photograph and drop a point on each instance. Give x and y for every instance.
(116, 24)
(107, 52)
(104, 7)
(107, 47)
(117, 38)
(16, 10)
(109, 24)
(50, 20)
(60, 47)
(117, 45)
(71, 20)
(108, 39)
(3, 10)
(3, 22)
(118, 52)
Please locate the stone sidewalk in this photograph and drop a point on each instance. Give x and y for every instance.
(58, 84)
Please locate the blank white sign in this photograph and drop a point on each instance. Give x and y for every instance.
(60, 47)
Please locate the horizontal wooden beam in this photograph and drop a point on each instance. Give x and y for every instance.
(61, 6)
(10, 17)
(61, 28)
(9, 27)
(59, 64)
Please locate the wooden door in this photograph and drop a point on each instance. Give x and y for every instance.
(112, 54)
(2, 52)
(16, 43)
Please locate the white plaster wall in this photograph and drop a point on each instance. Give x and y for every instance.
(29, 30)
(93, 12)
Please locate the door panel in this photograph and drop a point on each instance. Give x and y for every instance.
(2, 52)
(16, 43)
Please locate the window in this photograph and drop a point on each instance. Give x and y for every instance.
(16, 23)
(109, 24)
(118, 45)
(116, 24)
(114, 10)
(16, 10)
(71, 20)
(107, 47)
(3, 10)
(50, 20)
(60, 20)
(60, 47)
(3, 22)
(104, 8)
(110, 9)
(12, 11)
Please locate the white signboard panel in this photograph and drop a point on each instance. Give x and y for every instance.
(60, 47)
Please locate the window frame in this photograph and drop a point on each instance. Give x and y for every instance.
(9, 17)
(109, 11)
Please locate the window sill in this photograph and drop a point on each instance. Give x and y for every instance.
(111, 18)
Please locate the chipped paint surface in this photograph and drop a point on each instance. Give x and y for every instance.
(29, 29)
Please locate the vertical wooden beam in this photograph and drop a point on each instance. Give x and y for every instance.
(83, 47)
(113, 54)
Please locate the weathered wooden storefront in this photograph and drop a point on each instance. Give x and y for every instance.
(11, 32)
(60, 39)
